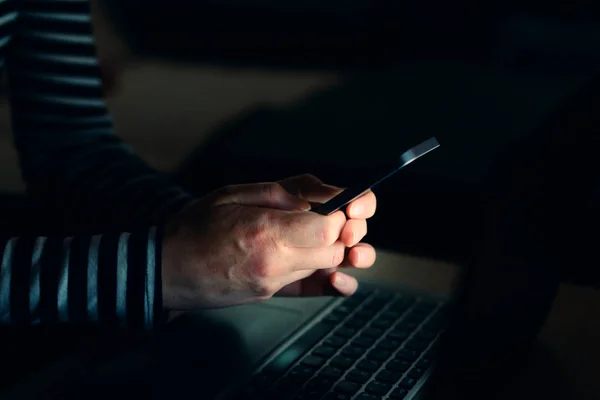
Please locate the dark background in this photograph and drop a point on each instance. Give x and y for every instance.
(482, 78)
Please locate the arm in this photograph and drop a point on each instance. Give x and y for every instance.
(111, 279)
(69, 156)
(72, 161)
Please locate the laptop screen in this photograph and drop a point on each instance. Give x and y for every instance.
(534, 213)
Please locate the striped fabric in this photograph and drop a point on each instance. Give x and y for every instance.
(72, 161)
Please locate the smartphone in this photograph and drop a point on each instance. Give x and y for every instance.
(352, 194)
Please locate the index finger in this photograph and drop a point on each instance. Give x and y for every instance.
(306, 229)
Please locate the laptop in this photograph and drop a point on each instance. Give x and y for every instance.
(379, 343)
(384, 342)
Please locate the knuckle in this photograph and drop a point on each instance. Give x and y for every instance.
(362, 230)
(263, 265)
(272, 190)
(257, 234)
(261, 268)
(310, 177)
(225, 191)
(327, 236)
(337, 256)
(223, 194)
(264, 289)
(330, 232)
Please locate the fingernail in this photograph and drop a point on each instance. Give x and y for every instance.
(358, 257)
(357, 209)
(303, 206)
(299, 204)
(340, 280)
(331, 187)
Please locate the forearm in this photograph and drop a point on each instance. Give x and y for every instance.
(111, 279)
(69, 154)
(102, 185)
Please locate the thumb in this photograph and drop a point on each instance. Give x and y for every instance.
(270, 195)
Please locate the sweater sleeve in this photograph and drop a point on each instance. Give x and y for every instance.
(110, 279)
(72, 162)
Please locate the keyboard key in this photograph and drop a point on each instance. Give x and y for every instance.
(368, 365)
(301, 373)
(433, 350)
(374, 305)
(342, 362)
(365, 315)
(363, 342)
(331, 372)
(335, 342)
(417, 345)
(347, 387)
(434, 325)
(321, 383)
(333, 319)
(345, 332)
(378, 388)
(290, 355)
(381, 323)
(355, 323)
(378, 355)
(407, 354)
(399, 336)
(408, 383)
(398, 394)
(338, 396)
(389, 344)
(391, 315)
(365, 396)
(313, 361)
(389, 376)
(416, 372)
(343, 310)
(307, 394)
(353, 302)
(263, 379)
(372, 333)
(325, 351)
(361, 294)
(359, 376)
(398, 365)
(408, 326)
(425, 335)
(415, 317)
(352, 352)
(424, 362)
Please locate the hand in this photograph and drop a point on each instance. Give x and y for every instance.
(358, 255)
(245, 243)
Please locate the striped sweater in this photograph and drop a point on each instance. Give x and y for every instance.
(71, 159)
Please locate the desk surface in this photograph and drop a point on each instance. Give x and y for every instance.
(563, 364)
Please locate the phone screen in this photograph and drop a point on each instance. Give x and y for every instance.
(351, 194)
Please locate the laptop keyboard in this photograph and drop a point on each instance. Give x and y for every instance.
(373, 345)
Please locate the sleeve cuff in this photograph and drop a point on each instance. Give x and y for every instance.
(155, 314)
